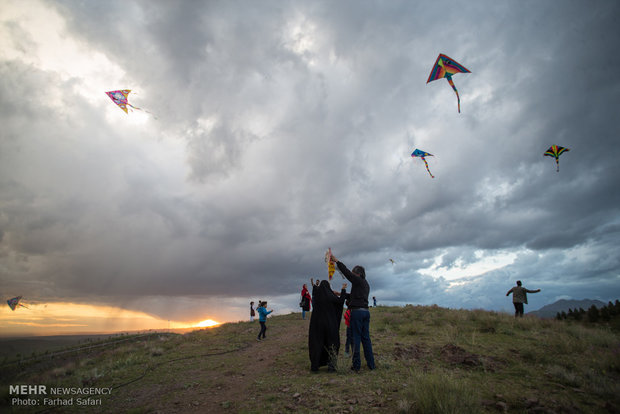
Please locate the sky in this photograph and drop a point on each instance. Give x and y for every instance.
(277, 129)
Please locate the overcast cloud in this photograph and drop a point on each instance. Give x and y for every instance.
(279, 129)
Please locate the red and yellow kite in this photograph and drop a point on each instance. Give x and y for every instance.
(445, 67)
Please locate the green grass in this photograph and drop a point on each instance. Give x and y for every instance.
(429, 360)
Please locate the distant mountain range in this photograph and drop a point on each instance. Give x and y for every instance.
(550, 311)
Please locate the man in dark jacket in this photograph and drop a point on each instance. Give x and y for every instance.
(360, 316)
(519, 297)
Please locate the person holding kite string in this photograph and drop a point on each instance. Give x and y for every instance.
(360, 316)
(519, 297)
(262, 318)
(324, 329)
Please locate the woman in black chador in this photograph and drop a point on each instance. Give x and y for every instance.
(324, 332)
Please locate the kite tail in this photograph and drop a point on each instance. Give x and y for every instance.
(135, 107)
(458, 98)
(557, 161)
(331, 267)
(141, 109)
(427, 169)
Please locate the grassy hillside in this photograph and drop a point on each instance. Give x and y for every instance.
(429, 360)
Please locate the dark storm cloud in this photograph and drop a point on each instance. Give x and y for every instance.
(296, 121)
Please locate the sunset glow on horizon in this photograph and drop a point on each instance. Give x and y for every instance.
(73, 318)
(206, 323)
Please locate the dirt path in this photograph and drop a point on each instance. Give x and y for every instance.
(255, 361)
(216, 383)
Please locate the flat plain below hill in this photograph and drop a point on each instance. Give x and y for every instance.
(12, 348)
(429, 360)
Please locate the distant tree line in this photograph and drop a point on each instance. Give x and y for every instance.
(607, 313)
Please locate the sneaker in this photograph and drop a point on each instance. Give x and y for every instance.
(258, 339)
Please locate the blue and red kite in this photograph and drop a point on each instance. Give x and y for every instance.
(422, 154)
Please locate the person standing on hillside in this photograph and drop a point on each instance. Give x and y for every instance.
(262, 319)
(252, 313)
(519, 297)
(324, 329)
(306, 301)
(360, 316)
(348, 345)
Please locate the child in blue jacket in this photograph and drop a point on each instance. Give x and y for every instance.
(262, 318)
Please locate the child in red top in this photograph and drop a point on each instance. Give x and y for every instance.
(306, 301)
(347, 322)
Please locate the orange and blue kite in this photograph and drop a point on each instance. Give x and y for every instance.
(556, 151)
(446, 67)
(422, 154)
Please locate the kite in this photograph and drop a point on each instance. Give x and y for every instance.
(120, 98)
(446, 67)
(331, 267)
(14, 302)
(556, 151)
(422, 154)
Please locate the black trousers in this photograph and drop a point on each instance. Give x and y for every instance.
(263, 328)
(518, 309)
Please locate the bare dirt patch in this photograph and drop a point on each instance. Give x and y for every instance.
(408, 352)
(455, 355)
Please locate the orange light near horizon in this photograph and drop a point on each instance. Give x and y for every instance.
(206, 323)
(62, 318)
